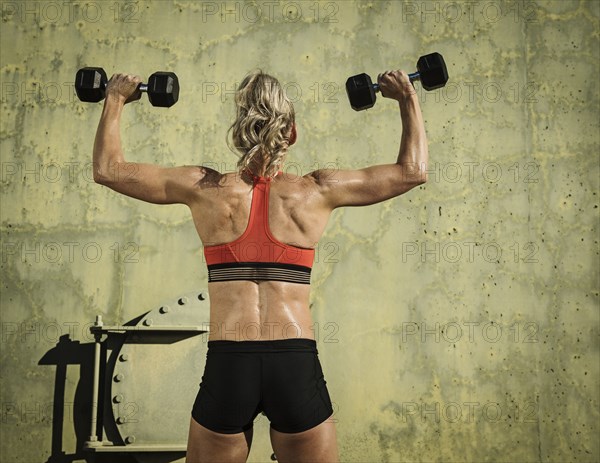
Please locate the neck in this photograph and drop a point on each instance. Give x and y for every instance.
(261, 170)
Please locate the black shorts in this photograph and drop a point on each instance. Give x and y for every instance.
(282, 378)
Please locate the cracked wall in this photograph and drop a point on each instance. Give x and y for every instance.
(458, 322)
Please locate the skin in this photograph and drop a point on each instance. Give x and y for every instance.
(299, 208)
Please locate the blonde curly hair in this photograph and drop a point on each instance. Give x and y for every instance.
(263, 124)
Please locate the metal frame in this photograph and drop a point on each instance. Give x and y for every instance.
(144, 327)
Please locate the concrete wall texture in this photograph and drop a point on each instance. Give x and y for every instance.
(456, 323)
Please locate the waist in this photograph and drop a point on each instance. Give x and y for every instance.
(251, 311)
(275, 345)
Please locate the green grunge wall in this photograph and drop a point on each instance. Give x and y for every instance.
(458, 322)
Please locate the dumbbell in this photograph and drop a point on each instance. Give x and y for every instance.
(162, 87)
(431, 71)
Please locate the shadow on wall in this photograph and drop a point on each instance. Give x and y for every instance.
(69, 352)
(130, 376)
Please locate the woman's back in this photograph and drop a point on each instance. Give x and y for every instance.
(297, 213)
(247, 309)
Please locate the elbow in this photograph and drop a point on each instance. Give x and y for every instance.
(414, 173)
(97, 171)
(418, 182)
(110, 182)
(421, 164)
(421, 170)
(101, 179)
(103, 174)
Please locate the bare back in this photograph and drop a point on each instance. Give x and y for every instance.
(261, 310)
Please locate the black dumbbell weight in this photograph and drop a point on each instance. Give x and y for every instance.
(431, 71)
(162, 87)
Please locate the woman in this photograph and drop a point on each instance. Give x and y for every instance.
(259, 228)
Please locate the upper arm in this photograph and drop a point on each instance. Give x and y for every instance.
(366, 186)
(152, 183)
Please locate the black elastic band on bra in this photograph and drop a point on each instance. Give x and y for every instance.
(259, 271)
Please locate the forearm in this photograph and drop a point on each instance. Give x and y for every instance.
(414, 154)
(107, 144)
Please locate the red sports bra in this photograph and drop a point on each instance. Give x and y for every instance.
(257, 255)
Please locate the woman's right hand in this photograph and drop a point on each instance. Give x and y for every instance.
(395, 85)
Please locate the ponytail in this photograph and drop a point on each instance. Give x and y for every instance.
(264, 119)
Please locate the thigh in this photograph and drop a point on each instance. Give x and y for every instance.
(206, 446)
(317, 445)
